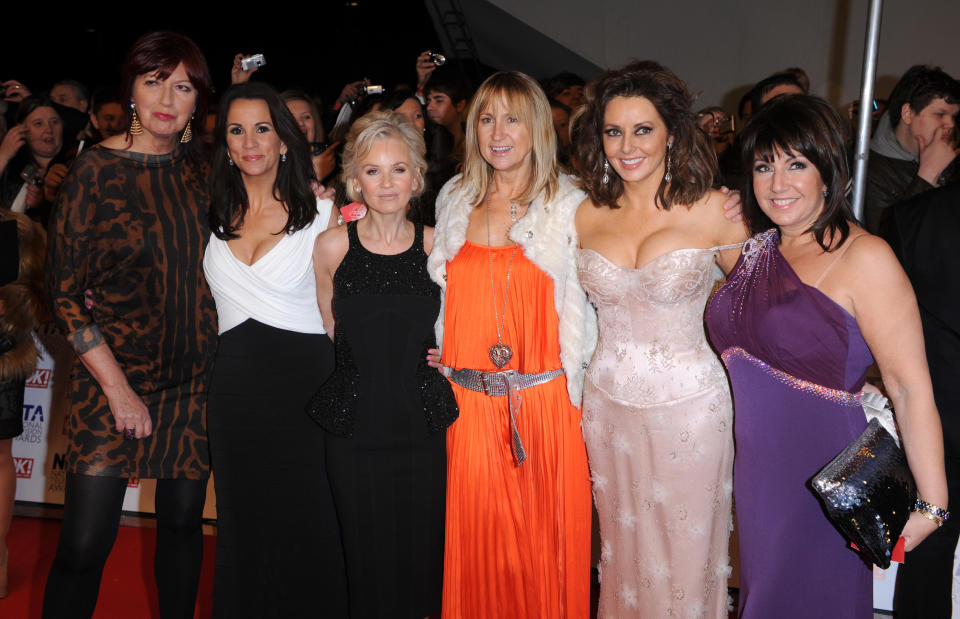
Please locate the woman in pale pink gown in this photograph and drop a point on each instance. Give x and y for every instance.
(656, 407)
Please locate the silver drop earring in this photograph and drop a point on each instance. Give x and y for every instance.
(606, 172)
(229, 160)
(283, 157)
(668, 176)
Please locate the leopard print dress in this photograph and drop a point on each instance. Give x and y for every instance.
(125, 260)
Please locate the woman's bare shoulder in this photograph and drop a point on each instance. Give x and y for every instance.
(586, 206)
(869, 260)
(332, 241)
(864, 247)
(586, 211)
(713, 216)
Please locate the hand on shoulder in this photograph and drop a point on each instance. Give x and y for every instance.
(727, 230)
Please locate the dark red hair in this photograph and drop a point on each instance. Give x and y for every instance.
(161, 52)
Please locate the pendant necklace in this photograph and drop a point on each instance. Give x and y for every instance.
(500, 353)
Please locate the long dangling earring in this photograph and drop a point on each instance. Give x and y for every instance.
(606, 172)
(135, 127)
(187, 133)
(229, 160)
(668, 176)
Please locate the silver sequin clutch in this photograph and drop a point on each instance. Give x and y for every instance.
(868, 492)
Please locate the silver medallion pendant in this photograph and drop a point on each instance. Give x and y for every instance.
(500, 354)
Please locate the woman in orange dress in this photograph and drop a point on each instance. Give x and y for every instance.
(516, 332)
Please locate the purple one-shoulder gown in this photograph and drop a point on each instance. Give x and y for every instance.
(796, 361)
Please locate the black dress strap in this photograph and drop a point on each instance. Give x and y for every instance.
(352, 234)
(418, 238)
(355, 243)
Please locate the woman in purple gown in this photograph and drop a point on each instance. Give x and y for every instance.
(812, 301)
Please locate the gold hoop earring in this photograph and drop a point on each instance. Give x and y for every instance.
(187, 132)
(135, 127)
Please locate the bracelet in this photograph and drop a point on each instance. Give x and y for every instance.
(931, 512)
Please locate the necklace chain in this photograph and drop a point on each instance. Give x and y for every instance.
(499, 353)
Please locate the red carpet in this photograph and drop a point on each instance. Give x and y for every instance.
(127, 590)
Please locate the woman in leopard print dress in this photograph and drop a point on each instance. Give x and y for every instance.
(127, 287)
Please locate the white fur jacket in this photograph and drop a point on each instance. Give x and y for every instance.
(549, 240)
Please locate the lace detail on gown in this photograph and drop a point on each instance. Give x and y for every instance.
(657, 422)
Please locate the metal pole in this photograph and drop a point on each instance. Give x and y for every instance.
(866, 106)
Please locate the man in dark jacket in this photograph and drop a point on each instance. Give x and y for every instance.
(913, 149)
(924, 233)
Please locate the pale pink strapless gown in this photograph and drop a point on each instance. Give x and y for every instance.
(657, 420)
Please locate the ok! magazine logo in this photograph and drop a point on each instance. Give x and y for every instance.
(40, 379)
(23, 467)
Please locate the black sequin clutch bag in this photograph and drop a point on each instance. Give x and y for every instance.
(869, 492)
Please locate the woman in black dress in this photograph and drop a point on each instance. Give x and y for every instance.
(278, 545)
(384, 409)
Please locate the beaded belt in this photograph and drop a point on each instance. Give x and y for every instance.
(507, 383)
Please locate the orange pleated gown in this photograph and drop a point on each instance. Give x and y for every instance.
(517, 537)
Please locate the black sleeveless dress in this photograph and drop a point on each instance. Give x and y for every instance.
(386, 412)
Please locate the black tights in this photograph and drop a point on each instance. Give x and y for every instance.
(91, 517)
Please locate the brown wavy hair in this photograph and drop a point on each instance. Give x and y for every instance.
(694, 161)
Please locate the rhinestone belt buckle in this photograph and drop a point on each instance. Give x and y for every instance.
(484, 384)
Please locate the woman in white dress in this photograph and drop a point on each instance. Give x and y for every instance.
(278, 543)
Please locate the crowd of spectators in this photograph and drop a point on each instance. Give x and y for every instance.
(41, 132)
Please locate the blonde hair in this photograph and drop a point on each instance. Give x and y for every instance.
(375, 126)
(523, 97)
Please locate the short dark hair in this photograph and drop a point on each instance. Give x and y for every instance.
(696, 162)
(102, 96)
(298, 95)
(561, 81)
(79, 89)
(448, 80)
(765, 85)
(161, 52)
(801, 76)
(398, 97)
(560, 106)
(811, 127)
(31, 103)
(742, 105)
(292, 187)
(920, 85)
